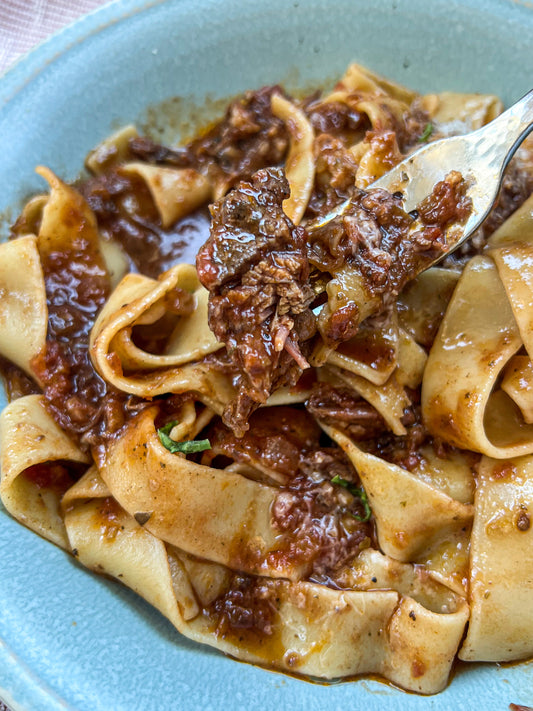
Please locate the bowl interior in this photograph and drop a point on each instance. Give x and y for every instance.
(71, 640)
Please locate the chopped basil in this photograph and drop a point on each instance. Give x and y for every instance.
(358, 493)
(426, 133)
(187, 447)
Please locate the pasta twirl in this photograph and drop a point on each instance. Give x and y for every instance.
(297, 452)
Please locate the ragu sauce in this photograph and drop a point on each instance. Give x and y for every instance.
(77, 286)
(318, 514)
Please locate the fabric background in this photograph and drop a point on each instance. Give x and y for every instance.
(26, 23)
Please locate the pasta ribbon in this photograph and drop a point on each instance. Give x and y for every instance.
(300, 163)
(31, 487)
(112, 151)
(176, 191)
(139, 300)
(411, 515)
(476, 339)
(501, 575)
(512, 252)
(373, 352)
(406, 631)
(423, 302)
(517, 382)
(361, 79)
(67, 220)
(389, 399)
(211, 513)
(376, 155)
(461, 113)
(23, 309)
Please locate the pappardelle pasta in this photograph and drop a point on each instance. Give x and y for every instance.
(299, 450)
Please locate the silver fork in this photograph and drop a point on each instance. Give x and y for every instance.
(480, 156)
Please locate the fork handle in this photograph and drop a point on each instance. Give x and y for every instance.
(509, 129)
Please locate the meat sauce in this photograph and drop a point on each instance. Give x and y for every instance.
(76, 288)
(252, 246)
(322, 523)
(126, 214)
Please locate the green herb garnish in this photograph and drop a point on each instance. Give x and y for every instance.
(358, 493)
(188, 447)
(426, 133)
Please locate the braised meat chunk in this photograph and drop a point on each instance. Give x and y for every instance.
(248, 138)
(255, 266)
(345, 410)
(375, 247)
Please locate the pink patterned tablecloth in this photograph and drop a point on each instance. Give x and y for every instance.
(26, 23)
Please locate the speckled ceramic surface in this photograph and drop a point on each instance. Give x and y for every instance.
(70, 640)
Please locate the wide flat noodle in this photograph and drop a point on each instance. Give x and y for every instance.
(346, 286)
(359, 78)
(411, 515)
(516, 228)
(176, 191)
(517, 382)
(30, 437)
(447, 561)
(461, 113)
(106, 539)
(452, 474)
(377, 154)
(476, 339)
(113, 150)
(116, 260)
(373, 352)
(29, 219)
(23, 310)
(423, 302)
(44, 215)
(389, 399)
(211, 513)
(67, 220)
(300, 162)
(139, 300)
(512, 252)
(412, 360)
(313, 630)
(501, 576)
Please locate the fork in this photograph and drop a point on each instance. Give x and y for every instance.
(480, 156)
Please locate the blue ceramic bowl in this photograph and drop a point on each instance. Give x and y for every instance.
(71, 640)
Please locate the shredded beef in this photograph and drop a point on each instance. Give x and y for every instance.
(344, 409)
(337, 118)
(323, 518)
(335, 173)
(248, 138)
(386, 245)
(447, 203)
(326, 463)
(276, 440)
(248, 606)
(517, 186)
(255, 266)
